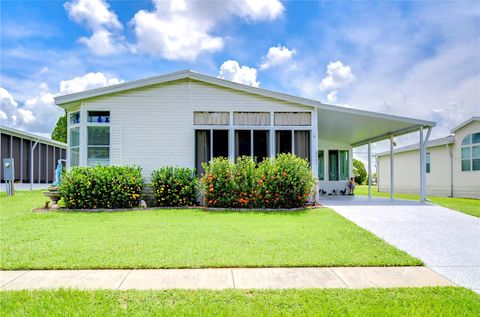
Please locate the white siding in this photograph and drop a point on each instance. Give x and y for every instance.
(326, 184)
(155, 124)
(407, 172)
(465, 184)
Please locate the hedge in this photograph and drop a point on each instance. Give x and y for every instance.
(101, 187)
(282, 182)
(174, 186)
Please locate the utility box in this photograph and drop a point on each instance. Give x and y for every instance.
(8, 169)
(9, 175)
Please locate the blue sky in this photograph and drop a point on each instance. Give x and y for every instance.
(418, 59)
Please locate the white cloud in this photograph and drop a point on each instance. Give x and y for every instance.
(39, 114)
(231, 70)
(338, 76)
(277, 55)
(87, 81)
(98, 18)
(182, 30)
(332, 96)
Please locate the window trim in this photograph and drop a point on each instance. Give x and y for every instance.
(98, 125)
(339, 163)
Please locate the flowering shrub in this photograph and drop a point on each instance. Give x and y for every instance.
(101, 187)
(174, 186)
(281, 182)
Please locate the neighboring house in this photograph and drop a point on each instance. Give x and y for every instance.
(452, 164)
(186, 118)
(18, 145)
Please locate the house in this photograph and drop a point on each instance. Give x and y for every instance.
(186, 118)
(22, 146)
(452, 164)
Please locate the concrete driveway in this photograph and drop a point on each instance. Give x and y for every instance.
(447, 241)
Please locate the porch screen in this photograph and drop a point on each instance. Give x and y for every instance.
(220, 143)
(242, 143)
(260, 145)
(343, 165)
(333, 165)
(211, 118)
(302, 144)
(283, 141)
(202, 149)
(293, 118)
(251, 118)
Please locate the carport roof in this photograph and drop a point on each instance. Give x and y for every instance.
(335, 123)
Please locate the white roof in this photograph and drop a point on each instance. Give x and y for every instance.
(437, 142)
(341, 124)
(465, 123)
(32, 137)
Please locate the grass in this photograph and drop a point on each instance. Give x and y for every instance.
(440, 301)
(468, 206)
(183, 238)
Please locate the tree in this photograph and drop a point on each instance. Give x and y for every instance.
(359, 172)
(59, 133)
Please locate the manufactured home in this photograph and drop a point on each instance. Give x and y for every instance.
(186, 118)
(452, 164)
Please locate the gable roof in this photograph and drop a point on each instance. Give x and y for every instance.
(437, 142)
(465, 123)
(353, 126)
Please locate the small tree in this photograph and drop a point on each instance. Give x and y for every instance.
(59, 133)
(359, 172)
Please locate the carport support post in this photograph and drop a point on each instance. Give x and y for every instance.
(31, 163)
(369, 170)
(423, 168)
(391, 168)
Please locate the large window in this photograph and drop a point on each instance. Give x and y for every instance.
(338, 165)
(283, 141)
(470, 152)
(252, 143)
(427, 163)
(302, 144)
(321, 165)
(209, 144)
(74, 146)
(98, 145)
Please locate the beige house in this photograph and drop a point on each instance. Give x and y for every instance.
(452, 165)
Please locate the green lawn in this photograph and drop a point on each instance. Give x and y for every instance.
(446, 301)
(183, 238)
(466, 205)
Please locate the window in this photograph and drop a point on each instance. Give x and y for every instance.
(321, 165)
(209, 144)
(302, 144)
(211, 118)
(244, 145)
(98, 145)
(98, 116)
(292, 118)
(470, 153)
(338, 165)
(283, 141)
(74, 146)
(251, 118)
(260, 145)
(427, 162)
(75, 118)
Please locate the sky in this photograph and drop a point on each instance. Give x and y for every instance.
(419, 59)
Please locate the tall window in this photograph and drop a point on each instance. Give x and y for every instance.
(283, 141)
(98, 145)
(321, 165)
(209, 144)
(427, 162)
(302, 144)
(74, 146)
(252, 143)
(470, 152)
(338, 165)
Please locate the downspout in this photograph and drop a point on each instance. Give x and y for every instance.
(450, 152)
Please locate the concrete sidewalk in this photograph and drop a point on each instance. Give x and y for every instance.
(239, 278)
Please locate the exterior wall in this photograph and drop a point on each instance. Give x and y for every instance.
(153, 126)
(45, 157)
(327, 184)
(407, 172)
(465, 184)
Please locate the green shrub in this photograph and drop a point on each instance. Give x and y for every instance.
(281, 182)
(175, 186)
(286, 181)
(101, 187)
(218, 183)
